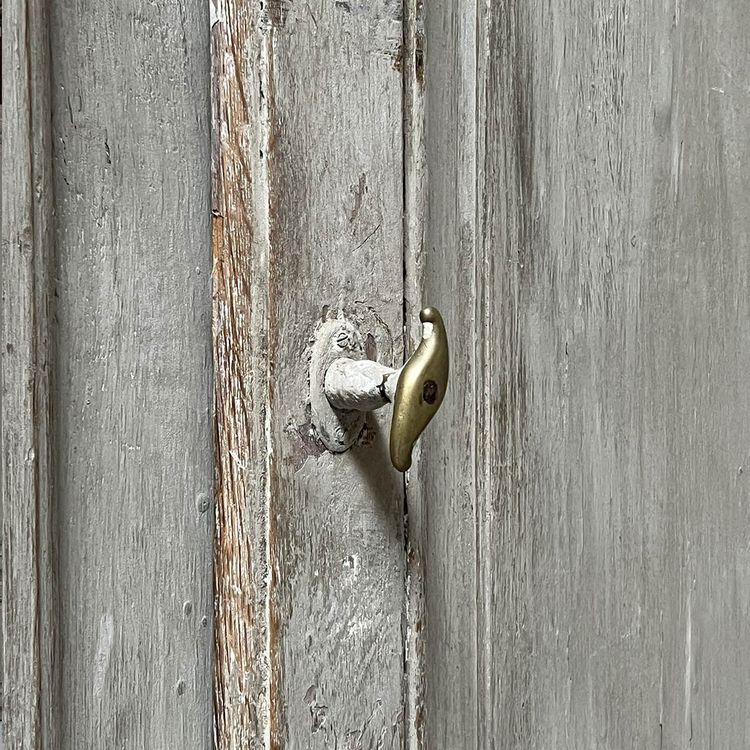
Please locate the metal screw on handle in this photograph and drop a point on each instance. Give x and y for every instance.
(353, 385)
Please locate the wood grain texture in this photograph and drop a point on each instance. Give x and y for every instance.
(337, 556)
(611, 405)
(131, 382)
(310, 560)
(415, 214)
(239, 52)
(442, 491)
(29, 646)
(2, 734)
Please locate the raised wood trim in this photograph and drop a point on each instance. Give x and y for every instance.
(240, 57)
(415, 227)
(28, 622)
(308, 201)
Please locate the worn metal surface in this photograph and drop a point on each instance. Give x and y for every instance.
(107, 456)
(420, 389)
(310, 555)
(586, 542)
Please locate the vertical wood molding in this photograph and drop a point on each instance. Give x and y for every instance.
(415, 216)
(505, 57)
(29, 638)
(308, 226)
(445, 485)
(240, 67)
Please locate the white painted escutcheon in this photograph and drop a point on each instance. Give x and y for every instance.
(337, 429)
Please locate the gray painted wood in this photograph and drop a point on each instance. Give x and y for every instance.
(442, 489)
(28, 701)
(129, 378)
(570, 189)
(308, 215)
(1, 411)
(131, 398)
(605, 196)
(2, 741)
(415, 204)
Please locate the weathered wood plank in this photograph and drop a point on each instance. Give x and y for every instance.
(415, 214)
(240, 246)
(442, 489)
(339, 564)
(613, 415)
(131, 388)
(319, 88)
(617, 222)
(28, 698)
(335, 191)
(2, 734)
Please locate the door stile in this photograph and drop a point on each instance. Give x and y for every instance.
(28, 619)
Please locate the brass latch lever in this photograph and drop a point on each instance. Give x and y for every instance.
(353, 385)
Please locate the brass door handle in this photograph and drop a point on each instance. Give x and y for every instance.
(420, 388)
(352, 385)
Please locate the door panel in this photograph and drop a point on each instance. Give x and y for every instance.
(308, 216)
(107, 451)
(609, 252)
(27, 609)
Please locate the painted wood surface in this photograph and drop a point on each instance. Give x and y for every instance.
(442, 491)
(308, 226)
(588, 509)
(28, 705)
(415, 204)
(107, 482)
(2, 554)
(568, 186)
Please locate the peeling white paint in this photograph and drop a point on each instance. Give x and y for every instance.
(103, 651)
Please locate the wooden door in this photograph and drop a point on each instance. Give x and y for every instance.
(565, 565)
(586, 518)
